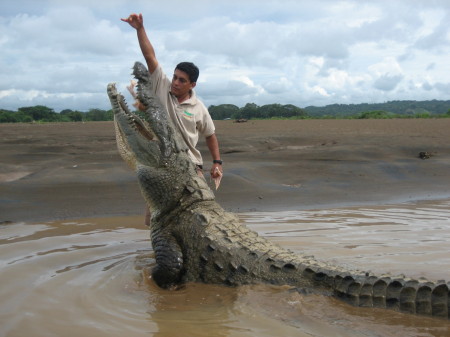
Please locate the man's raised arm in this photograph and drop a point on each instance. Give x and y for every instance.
(137, 22)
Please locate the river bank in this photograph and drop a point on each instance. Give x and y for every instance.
(73, 170)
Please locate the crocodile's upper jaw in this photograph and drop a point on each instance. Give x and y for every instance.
(143, 152)
(134, 137)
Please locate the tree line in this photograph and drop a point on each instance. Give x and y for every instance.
(251, 110)
(41, 113)
(392, 109)
(406, 108)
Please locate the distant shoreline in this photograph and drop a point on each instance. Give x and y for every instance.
(390, 109)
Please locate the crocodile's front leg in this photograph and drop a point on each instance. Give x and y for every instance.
(169, 260)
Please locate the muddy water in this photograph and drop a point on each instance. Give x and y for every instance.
(79, 278)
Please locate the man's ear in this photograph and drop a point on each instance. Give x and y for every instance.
(193, 84)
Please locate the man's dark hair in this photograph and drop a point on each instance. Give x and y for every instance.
(190, 69)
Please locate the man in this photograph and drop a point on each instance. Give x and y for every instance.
(186, 111)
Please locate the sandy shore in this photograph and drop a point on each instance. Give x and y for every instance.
(73, 170)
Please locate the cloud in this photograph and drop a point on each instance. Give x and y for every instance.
(278, 86)
(427, 86)
(69, 32)
(387, 82)
(62, 54)
(435, 33)
(387, 74)
(59, 58)
(444, 88)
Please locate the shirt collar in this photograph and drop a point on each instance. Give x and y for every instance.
(190, 101)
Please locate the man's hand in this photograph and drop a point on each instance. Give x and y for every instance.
(216, 174)
(137, 22)
(216, 171)
(134, 20)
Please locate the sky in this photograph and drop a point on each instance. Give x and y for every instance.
(62, 54)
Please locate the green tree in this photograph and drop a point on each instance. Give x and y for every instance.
(248, 111)
(290, 110)
(268, 111)
(425, 114)
(73, 116)
(223, 111)
(39, 113)
(377, 114)
(99, 115)
(7, 116)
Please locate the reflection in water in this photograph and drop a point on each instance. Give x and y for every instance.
(399, 239)
(80, 278)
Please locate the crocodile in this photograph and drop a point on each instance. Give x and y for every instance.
(195, 240)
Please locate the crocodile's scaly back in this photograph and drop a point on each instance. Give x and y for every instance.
(196, 240)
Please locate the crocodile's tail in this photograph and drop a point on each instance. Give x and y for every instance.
(398, 293)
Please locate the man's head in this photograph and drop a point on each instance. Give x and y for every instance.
(184, 79)
(190, 69)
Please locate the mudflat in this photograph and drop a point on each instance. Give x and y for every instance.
(73, 170)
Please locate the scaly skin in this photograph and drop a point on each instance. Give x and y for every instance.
(195, 240)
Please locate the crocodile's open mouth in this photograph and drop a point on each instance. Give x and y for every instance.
(134, 136)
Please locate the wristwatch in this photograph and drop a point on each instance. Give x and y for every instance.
(217, 161)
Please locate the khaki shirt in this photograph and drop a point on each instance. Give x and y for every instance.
(191, 117)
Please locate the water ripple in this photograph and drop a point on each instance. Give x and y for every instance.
(85, 278)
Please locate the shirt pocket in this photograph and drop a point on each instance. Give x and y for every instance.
(189, 120)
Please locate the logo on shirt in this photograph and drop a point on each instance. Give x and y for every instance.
(187, 115)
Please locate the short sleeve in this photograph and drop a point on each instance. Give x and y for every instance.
(206, 125)
(160, 83)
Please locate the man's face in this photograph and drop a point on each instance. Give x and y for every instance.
(181, 85)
